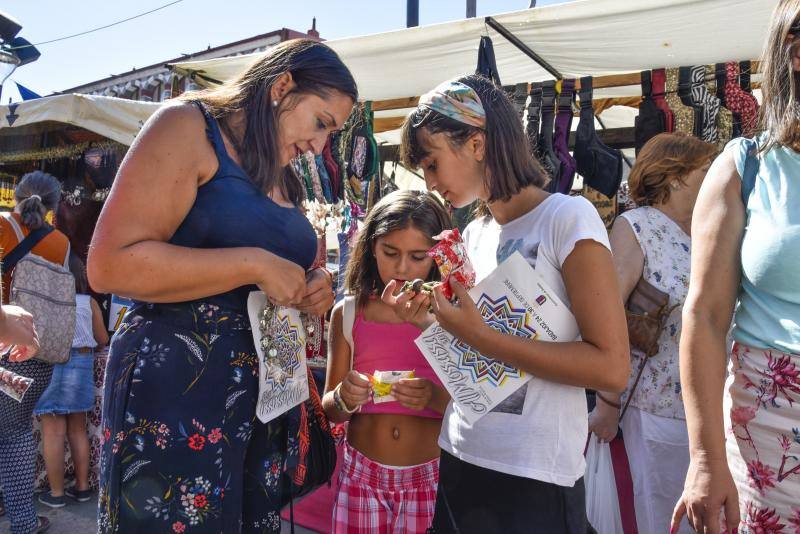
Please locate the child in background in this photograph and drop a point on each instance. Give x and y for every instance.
(520, 467)
(70, 395)
(391, 461)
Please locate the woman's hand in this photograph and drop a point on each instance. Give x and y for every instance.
(409, 307)
(709, 489)
(319, 296)
(413, 393)
(462, 319)
(355, 389)
(283, 281)
(17, 329)
(604, 421)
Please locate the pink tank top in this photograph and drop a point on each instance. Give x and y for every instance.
(390, 347)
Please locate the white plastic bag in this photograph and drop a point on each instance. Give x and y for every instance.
(602, 504)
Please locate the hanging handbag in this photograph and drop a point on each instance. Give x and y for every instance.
(646, 312)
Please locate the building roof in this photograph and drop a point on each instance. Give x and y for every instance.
(283, 34)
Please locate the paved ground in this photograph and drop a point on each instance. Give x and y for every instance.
(79, 518)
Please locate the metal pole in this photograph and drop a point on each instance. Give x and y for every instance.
(412, 13)
(471, 8)
(525, 49)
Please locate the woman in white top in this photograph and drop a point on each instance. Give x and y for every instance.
(653, 242)
(63, 406)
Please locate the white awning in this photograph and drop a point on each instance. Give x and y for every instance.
(115, 118)
(580, 38)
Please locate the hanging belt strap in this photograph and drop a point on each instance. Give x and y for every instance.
(586, 93)
(647, 84)
(721, 78)
(548, 97)
(534, 114)
(567, 96)
(520, 96)
(745, 68)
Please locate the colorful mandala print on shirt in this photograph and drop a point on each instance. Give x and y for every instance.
(763, 431)
(503, 317)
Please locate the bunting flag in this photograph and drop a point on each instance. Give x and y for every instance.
(26, 93)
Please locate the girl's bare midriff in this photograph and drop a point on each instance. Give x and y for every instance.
(394, 439)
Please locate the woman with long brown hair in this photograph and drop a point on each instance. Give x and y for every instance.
(203, 211)
(743, 433)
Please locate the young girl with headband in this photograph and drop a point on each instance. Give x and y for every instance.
(527, 452)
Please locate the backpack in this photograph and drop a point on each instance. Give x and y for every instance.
(348, 306)
(44, 289)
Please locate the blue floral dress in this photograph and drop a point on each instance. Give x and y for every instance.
(183, 451)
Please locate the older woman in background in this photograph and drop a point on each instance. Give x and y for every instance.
(653, 242)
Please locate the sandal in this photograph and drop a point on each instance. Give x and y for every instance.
(42, 525)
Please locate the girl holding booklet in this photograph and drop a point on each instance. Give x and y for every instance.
(469, 141)
(391, 460)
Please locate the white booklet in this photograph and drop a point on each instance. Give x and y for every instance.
(513, 299)
(283, 386)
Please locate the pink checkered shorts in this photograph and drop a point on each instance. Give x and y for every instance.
(374, 498)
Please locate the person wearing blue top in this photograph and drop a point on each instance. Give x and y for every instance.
(743, 431)
(203, 211)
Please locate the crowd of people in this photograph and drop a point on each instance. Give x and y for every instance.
(708, 412)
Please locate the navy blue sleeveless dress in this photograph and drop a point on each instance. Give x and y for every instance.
(183, 451)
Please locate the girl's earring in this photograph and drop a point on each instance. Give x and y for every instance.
(274, 103)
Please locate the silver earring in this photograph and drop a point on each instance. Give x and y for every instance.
(274, 103)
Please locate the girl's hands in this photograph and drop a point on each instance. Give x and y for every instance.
(462, 320)
(355, 390)
(409, 307)
(413, 393)
(283, 281)
(709, 490)
(319, 296)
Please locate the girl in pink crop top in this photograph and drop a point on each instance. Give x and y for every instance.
(391, 464)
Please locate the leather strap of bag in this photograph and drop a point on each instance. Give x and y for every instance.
(633, 388)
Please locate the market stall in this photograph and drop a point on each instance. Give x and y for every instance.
(81, 140)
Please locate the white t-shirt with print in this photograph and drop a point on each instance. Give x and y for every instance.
(539, 432)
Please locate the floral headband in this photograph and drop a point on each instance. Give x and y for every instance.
(457, 101)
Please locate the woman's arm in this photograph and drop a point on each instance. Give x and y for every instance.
(153, 192)
(600, 361)
(629, 265)
(353, 387)
(99, 330)
(717, 229)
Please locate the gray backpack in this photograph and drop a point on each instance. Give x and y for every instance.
(47, 291)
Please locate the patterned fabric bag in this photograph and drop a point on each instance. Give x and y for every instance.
(317, 458)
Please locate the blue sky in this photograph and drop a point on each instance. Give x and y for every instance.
(191, 26)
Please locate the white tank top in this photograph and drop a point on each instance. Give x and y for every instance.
(84, 337)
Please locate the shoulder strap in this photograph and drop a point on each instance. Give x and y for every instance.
(24, 247)
(349, 319)
(213, 132)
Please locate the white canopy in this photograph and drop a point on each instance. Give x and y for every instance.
(579, 38)
(115, 118)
